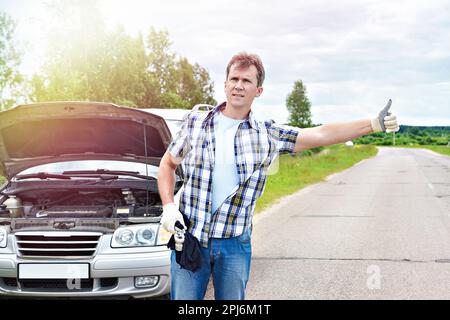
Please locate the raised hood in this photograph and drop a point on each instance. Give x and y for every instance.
(40, 133)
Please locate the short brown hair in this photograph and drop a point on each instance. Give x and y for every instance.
(244, 60)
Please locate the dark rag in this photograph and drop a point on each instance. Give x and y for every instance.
(190, 257)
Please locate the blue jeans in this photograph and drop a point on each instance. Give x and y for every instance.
(227, 260)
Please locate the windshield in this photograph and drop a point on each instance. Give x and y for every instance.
(60, 167)
(174, 125)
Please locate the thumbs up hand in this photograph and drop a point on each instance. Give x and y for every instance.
(386, 121)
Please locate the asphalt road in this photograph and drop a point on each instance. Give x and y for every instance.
(379, 230)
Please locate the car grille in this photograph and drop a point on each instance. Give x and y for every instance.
(56, 284)
(57, 244)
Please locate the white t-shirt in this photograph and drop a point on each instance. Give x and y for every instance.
(225, 176)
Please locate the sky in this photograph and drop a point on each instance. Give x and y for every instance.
(351, 55)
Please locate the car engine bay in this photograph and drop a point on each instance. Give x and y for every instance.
(80, 207)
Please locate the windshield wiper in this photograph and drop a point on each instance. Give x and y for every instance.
(112, 172)
(45, 175)
(42, 175)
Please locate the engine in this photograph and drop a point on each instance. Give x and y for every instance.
(120, 203)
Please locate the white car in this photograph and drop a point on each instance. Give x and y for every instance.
(80, 211)
(174, 117)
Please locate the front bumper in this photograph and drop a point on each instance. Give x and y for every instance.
(110, 275)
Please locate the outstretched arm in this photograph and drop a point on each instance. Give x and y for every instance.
(333, 133)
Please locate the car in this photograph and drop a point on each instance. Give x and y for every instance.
(80, 210)
(174, 117)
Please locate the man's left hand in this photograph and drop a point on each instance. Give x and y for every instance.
(386, 121)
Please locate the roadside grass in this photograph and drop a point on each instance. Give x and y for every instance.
(439, 149)
(297, 172)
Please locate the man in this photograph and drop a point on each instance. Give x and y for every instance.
(225, 154)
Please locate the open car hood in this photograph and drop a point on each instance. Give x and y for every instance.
(40, 133)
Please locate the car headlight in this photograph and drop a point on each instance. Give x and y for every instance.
(124, 237)
(143, 235)
(3, 237)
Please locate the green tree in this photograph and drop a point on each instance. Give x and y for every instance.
(10, 58)
(205, 92)
(161, 68)
(74, 54)
(125, 74)
(193, 84)
(413, 131)
(181, 84)
(299, 106)
(88, 62)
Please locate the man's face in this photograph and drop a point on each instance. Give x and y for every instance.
(241, 87)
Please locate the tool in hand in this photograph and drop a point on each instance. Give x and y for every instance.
(179, 235)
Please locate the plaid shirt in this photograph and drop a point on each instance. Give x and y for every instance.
(256, 145)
